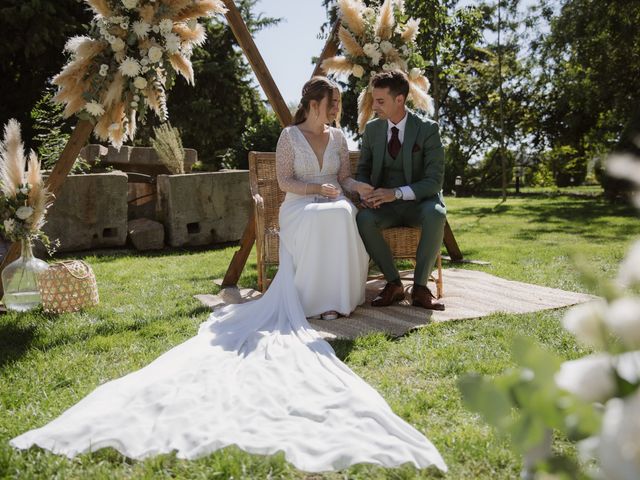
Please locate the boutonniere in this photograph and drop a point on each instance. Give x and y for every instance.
(416, 148)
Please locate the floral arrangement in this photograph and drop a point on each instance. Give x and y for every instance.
(129, 59)
(24, 199)
(594, 400)
(377, 38)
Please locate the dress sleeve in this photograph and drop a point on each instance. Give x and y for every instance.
(285, 156)
(347, 182)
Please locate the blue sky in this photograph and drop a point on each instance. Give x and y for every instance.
(288, 47)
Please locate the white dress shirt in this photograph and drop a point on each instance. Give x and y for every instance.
(407, 193)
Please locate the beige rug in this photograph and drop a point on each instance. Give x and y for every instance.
(467, 294)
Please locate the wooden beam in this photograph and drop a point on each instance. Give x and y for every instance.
(329, 50)
(54, 182)
(245, 40)
(240, 257)
(451, 244)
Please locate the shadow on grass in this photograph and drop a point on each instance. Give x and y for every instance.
(108, 254)
(585, 217)
(342, 347)
(14, 341)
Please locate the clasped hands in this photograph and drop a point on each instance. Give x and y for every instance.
(374, 197)
(369, 196)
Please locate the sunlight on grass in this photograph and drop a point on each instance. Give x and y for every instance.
(48, 363)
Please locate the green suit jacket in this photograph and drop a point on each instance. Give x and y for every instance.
(422, 153)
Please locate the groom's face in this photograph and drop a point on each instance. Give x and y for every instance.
(386, 105)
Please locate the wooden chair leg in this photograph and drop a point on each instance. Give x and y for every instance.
(439, 287)
(261, 274)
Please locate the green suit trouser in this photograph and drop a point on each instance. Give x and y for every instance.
(429, 215)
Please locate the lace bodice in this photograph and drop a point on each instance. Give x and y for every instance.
(297, 164)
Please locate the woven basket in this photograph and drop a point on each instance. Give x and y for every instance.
(68, 286)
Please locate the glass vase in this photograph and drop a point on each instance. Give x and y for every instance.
(20, 280)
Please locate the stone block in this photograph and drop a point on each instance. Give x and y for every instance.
(204, 208)
(90, 211)
(146, 234)
(134, 159)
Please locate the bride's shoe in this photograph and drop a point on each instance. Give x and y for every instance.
(330, 315)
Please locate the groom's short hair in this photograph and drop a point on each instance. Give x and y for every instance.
(395, 80)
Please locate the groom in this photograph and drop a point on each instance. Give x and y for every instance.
(403, 159)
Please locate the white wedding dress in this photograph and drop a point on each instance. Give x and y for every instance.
(256, 375)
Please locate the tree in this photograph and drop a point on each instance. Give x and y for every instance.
(589, 82)
(32, 38)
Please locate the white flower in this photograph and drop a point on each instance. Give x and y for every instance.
(24, 212)
(155, 29)
(134, 104)
(136, 98)
(590, 378)
(629, 273)
(145, 69)
(140, 83)
(357, 71)
(165, 25)
(141, 28)
(9, 225)
(375, 59)
(172, 42)
(104, 69)
(24, 190)
(94, 108)
(192, 23)
(125, 25)
(155, 54)
(369, 13)
(623, 320)
(129, 67)
(619, 448)
(415, 73)
(385, 46)
(376, 39)
(370, 49)
(624, 166)
(129, 4)
(144, 61)
(586, 322)
(117, 44)
(386, 67)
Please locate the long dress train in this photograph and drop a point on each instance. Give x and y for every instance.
(257, 376)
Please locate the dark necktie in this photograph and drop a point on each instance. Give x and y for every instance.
(394, 143)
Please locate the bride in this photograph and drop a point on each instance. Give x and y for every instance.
(257, 375)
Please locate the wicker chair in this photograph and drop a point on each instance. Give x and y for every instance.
(267, 198)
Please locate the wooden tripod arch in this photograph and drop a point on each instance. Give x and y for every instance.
(83, 129)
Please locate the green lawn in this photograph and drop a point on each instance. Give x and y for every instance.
(48, 363)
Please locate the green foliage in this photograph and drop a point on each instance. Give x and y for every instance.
(32, 39)
(262, 137)
(50, 130)
(589, 82)
(525, 402)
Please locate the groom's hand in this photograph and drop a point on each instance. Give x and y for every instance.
(380, 196)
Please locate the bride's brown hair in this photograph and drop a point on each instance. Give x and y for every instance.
(316, 89)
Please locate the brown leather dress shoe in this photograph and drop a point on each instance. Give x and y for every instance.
(392, 292)
(422, 297)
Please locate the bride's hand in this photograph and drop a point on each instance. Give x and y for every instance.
(329, 190)
(364, 189)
